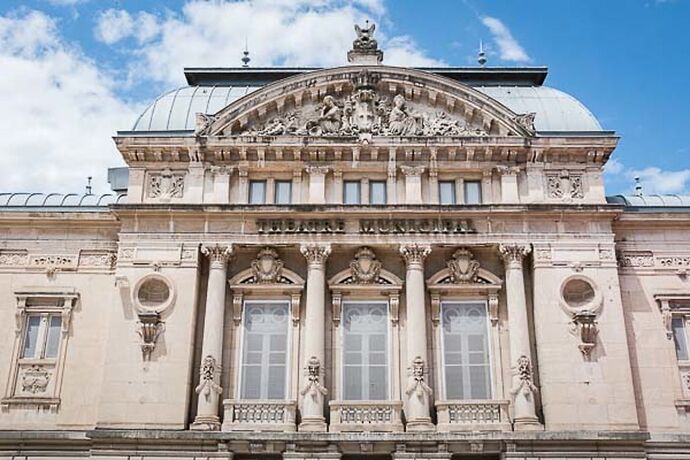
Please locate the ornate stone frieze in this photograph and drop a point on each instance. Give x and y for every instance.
(636, 259)
(673, 261)
(267, 267)
(14, 258)
(209, 374)
(415, 254)
(97, 259)
(462, 266)
(316, 254)
(53, 263)
(35, 379)
(166, 185)
(564, 185)
(365, 268)
(366, 111)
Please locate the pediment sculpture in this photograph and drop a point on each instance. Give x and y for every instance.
(463, 267)
(365, 268)
(366, 111)
(267, 267)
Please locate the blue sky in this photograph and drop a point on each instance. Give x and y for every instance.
(84, 68)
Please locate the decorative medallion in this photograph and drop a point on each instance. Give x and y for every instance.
(166, 185)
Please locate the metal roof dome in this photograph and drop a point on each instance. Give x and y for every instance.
(210, 90)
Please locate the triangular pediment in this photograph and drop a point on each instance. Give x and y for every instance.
(369, 101)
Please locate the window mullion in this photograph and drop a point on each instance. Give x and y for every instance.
(42, 336)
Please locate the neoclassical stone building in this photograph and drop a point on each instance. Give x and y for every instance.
(349, 262)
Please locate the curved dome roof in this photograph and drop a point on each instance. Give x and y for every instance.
(555, 110)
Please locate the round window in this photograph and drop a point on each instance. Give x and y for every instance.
(578, 293)
(153, 293)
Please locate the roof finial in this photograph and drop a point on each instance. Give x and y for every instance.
(481, 58)
(88, 185)
(245, 58)
(638, 186)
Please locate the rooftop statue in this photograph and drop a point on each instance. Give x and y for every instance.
(365, 38)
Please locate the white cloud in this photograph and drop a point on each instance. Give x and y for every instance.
(509, 48)
(59, 110)
(66, 2)
(653, 180)
(278, 32)
(114, 25)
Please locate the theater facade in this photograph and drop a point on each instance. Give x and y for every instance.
(360, 261)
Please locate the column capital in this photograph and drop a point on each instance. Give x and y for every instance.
(317, 170)
(513, 254)
(218, 254)
(316, 254)
(413, 171)
(414, 254)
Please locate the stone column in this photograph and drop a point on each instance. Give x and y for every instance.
(209, 389)
(417, 391)
(523, 390)
(313, 393)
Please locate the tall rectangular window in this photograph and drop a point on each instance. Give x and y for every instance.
(473, 192)
(257, 192)
(365, 351)
(351, 192)
(466, 363)
(680, 338)
(283, 192)
(264, 350)
(42, 336)
(446, 192)
(377, 192)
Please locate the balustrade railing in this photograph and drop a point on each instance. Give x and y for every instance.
(259, 415)
(366, 416)
(472, 415)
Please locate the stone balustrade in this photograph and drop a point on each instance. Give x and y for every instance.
(366, 416)
(473, 415)
(259, 415)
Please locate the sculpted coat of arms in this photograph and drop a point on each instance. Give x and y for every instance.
(463, 268)
(267, 267)
(365, 268)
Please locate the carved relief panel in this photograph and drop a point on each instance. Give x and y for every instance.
(165, 185)
(564, 185)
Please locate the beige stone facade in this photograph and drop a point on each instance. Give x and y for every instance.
(364, 260)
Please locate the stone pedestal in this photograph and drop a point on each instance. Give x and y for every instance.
(523, 390)
(312, 393)
(417, 394)
(209, 389)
